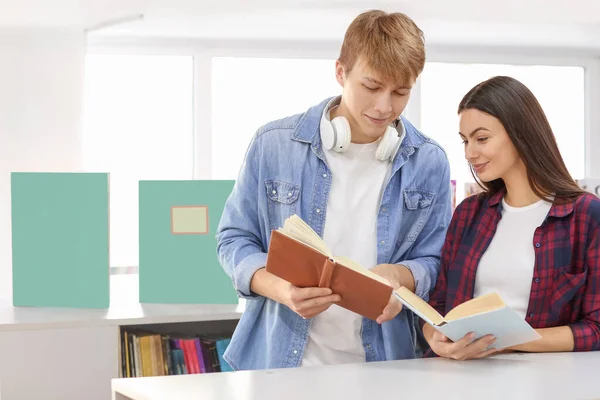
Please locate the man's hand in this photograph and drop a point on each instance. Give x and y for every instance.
(394, 275)
(464, 349)
(391, 272)
(308, 302)
(390, 311)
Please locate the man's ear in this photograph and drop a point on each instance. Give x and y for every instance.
(340, 73)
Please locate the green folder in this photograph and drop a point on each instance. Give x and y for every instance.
(60, 233)
(177, 244)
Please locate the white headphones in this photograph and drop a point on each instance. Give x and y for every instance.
(336, 135)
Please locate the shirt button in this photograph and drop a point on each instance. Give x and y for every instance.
(383, 209)
(538, 245)
(318, 210)
(295, 351)
(274, 192)
(530, 315)
(324, 175)
(383, 242)
(537, 280)
(290, 194)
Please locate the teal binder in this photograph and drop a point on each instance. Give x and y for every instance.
(177, 244)
(60, 239)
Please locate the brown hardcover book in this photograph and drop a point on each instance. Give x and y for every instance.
(298, 255)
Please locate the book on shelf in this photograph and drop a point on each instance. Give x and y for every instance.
(150, 354)
(483, 315)
(298, 255)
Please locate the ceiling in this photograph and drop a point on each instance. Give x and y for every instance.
(537, 22)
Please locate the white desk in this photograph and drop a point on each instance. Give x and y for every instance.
(509, 376)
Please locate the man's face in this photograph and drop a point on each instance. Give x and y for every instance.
(368, 102)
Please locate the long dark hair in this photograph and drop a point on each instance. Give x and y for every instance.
(518, 110)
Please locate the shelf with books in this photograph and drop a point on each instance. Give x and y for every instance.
(174, 348)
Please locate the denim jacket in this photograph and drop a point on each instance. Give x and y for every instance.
(284, 173)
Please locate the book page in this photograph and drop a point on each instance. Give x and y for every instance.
(296, 228)
(354, 266)
(419, 306)
(482, 304)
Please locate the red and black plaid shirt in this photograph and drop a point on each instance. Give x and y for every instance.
(566, 281)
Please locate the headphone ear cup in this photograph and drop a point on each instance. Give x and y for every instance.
(388, 145)
(328, 135)
(341, 127)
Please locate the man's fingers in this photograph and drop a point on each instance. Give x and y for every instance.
(315, 311)
(317, 302)
(390, 311)
(312, 307)
(300, 294)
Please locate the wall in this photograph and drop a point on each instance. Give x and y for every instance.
(41, 77)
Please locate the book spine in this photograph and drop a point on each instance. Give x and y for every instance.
(327, 273)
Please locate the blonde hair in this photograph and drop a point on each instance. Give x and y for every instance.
(389, 43)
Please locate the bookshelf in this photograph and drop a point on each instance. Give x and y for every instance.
(66, 353)
(176, 348)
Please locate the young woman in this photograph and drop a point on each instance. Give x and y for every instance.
(533, 235)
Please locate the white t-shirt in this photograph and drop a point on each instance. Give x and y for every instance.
(507, 265)
(350, 230)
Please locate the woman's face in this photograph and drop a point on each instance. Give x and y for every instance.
(488, 147)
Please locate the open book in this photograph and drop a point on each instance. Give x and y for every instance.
(298, 255)
(484, 315)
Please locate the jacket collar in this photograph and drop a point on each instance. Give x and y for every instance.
(307, 131)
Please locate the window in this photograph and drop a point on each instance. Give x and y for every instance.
(138, 124)
(249, 92)
(559, 89)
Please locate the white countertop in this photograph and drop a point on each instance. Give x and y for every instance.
(124, 309)
(509, 376)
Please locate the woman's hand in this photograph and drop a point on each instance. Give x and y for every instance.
(464, 349)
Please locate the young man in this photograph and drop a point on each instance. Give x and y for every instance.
(363, 178)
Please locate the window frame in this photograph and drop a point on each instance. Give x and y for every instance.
(204, 50)
(537, 56)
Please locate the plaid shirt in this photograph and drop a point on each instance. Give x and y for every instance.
(566, 281)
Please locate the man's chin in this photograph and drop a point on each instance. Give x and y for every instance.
(374, 133)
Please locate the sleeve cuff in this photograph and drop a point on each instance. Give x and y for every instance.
(585, 336)
(244, 272)
(421, 277)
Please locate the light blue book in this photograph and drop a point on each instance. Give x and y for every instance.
(177, 244)
(484, 315)
(60, 239)
(221, 347)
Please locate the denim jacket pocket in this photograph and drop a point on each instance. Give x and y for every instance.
(417, 203)
(282, 200)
